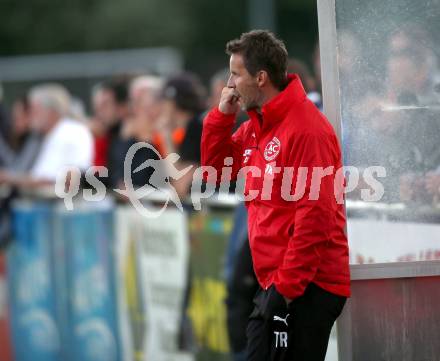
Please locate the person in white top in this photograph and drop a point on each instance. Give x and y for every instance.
(66, 142)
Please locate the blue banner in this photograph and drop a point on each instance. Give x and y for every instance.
(62, 291)
(33, 307)
(86, 274)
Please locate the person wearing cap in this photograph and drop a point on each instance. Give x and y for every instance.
(180, 124)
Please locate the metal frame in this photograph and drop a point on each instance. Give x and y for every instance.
(395, 270)
(332, 108)
(329, 63)
(164, 60)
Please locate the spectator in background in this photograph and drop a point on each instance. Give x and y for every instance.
(6, 154)
(356, 82)
(412, 66)
(78, 110)
(21, 123)
(432, 185)
(104, 114)
(146, 107)
(66, 142)
(296, 66)
(111, 107)
(141, 126)
(398, 128)
(413, 74)
(24, 141)
(183, 106)
(180, 131)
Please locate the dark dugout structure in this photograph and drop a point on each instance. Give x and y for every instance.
(381, 91)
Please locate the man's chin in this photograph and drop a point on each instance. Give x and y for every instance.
(248, 107)
(243, 105)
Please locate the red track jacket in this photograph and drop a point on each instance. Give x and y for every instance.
(293, 242)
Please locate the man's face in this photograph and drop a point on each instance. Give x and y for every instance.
(244, 83)
(405, 73)
(151, 105)
(136, 96)
(104, 106)
(41, 116)
(146, 107)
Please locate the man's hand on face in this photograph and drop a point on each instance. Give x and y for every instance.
(229, 101)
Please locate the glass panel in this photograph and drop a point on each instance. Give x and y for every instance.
(390, 105)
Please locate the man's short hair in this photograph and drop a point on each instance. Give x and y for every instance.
(261, 50)
(119, 87)
(52, 96)
(151, 83)
(187, 91)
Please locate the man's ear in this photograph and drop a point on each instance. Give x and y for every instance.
(262, 78)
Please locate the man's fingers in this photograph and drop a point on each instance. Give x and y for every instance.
(234, 98)
(229, 91)
(230, 95)
(229, 100)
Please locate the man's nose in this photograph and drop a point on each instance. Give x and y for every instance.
(231, 83)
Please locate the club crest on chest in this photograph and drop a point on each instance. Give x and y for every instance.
(272, 149)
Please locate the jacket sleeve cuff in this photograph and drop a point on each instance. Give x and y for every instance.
(216, 118)
(292, 289)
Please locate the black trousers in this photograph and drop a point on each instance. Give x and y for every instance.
(298, 332)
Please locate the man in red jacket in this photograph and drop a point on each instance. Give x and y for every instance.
(290, 157)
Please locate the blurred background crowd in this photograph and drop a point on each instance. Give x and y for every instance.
(48, 128)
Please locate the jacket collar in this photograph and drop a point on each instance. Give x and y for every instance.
(278, 107)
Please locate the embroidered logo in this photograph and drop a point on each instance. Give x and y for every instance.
(247, 154)
(272, 149)
(284, 320)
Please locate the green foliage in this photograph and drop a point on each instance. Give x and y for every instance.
(199, 28)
